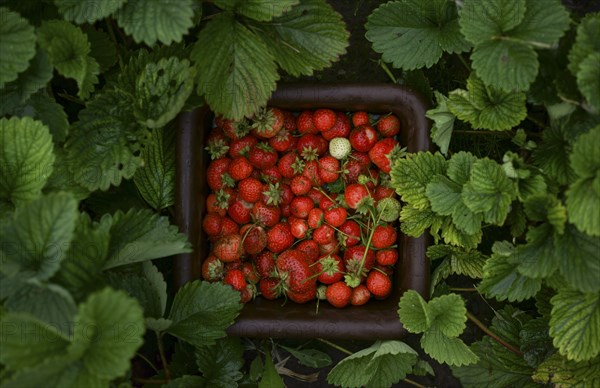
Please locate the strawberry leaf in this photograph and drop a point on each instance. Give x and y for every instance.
(87, 11)
(587, 41)
(17, 45)
(261, 10)
(583, 266)
(537, 258)
(45, 109)
(221, 363)
(561, 372)
(451, 351)
(552, 155)
(443, 123)
(482, 20)
(588, 80)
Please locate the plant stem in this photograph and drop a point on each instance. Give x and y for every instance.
(464, 62)
(149, 381)
(494, 336)
(140, 355)
(411, 382)
(337, 347)
(163, 358)
(388, 71)
(536, 121)
(483, 132)
(459, 289)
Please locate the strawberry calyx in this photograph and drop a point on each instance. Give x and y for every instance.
(310, 153)
(396, 153)
(217, 149)
(223, 198)
(274, 194)
(227, 180)
(298, 166)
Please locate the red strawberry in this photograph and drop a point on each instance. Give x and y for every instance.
(315, 195)
(295, 272)
(298, 226)
(279, 238)
(311, 171)
(242, 146)
(266, 215)
(360, 295)
(302, 297)
(273, 194)
(379, 284)
(240, 168)
(217, 204)
(254, 238)
(363, 138)
(382, 151)
(212, 223)
(324, 234)
(270, 175)
(330, 268)
(267, 123)
(239, 211)
(310, 249)
(248, 293)
(265, 263)
(384, 236)
(228, 227)
(387, 257)
(350, 235)
(289, 165)
(250, 272)
(386, 269)
(382, 192)
(289, 121)
(335, 216)
(228, 248)
(300, 185)
(216, 174)
(217, 145)
(262, 156)
(250, 190)
(233, 129)
(286, 210)
(339, 294)
(315, 218)
(300, 206)
(270, 288)
(352, 170)
(353, 256)
(361, 157)
(360, 118)
(388, 126)
(328, 202)
(330, 248)
(310, 146)
(324, 119)
(341, 128)
(235, 278)
(329, 169)
(355, 195)
(282, 142)
(304, 123)
(213, 269)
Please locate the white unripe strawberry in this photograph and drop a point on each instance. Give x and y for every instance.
(339, 147)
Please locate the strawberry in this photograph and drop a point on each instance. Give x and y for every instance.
(242, 146)
(315, 195)
(363, 138)
(211, 224)
(387, 257)
(240, 168)
(270, 175)
(339, 147)
(304, 123)
(279, 238)
(228, 227)
(233, 129)
(262, 156)
(360, 295)
(218, 202)
(385, 269)
(287, 195)
(330, 268)
(350, 233)
(248, 293)
(384, 236)
(239, 211)
(341, 128)
(324, 119)
(298, 226)
(250, 190)
(382, 152)
(250, 272)
(254, 239)
(217, 145)
(282, 142)
(213, 269)
(273, 194)
(265, 263)
(360, 118)
(286, 210)
(300, 185)
(356, 195)
(379, 284)
(353, 256)
(288, 165)
(310, 249)
(228, 248)
(339, 294)
(388, 209)
(335, 216)
(311, 171)
(331, 248)
(270, 288)
(329, 169)
(302, 297)
(235, 278)
(362, 158)
(324, 234)
(328, 202)
(388, 126)
(267, 123)
(266, 215)
(216, 174)
(300, 206)
(295, 272)
(289, 121)
(315, 218)
(382, 192)
(310, 146)
(352, 170)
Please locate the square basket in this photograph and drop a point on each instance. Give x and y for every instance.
(377, 319)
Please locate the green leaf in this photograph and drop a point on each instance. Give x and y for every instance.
(587, 41)
(414, 312)
(552, 155)
(45, 109)
(148, 287)
(451, 351)
(563, 373)
(588, 80)
(486, 107)
(270, 377)
(410, 176)
(165, 21)
(575, 324)
(17, 45)
(68, 48)
(483, 20)
(34, 243)
(459, 261)
(412, 34)
(28, 82)
(47, 302)
(87, 11)
(202, 311)
(161, 91)
(459, 167)
(109, 328)
(309, 37)
(381, 365)
(221, 363)
(446, 314)
(103, 147)
(538, 258)
(158, 325)
(103, 50)
(545, 22)
(26, 157)
(27, 341)
(58, 371)
(140, 235)
(261, 10)
(502, 280)
(582, 267)
(443, 123)
(489, 191)
(535, 341)
(186, 382)
(584, 193)
(62, 178)
(222, 53)
(413, 222)
(422, 368)
(312, 358)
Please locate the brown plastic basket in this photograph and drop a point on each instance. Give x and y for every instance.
(377, 319)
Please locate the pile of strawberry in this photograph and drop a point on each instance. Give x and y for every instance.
(301, 206)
